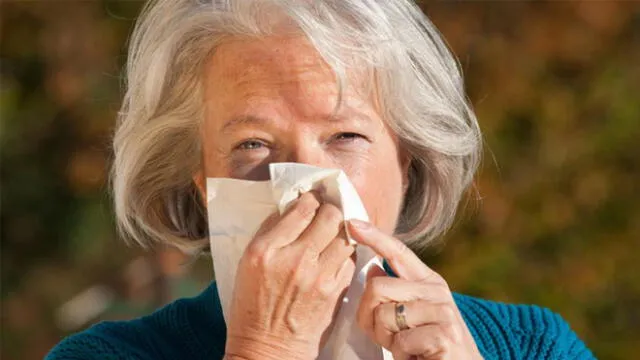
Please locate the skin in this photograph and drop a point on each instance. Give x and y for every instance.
(272, 100)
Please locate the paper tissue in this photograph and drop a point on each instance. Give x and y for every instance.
(237, 208)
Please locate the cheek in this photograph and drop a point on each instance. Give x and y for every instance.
(215, 161)
(380, 188)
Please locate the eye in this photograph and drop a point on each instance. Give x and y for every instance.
(348, 137)
(249, 145)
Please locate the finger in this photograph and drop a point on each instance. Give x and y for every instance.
(425, 341)
(334, 255)
(416, 313)
(268, 224)
(345, 274)
(386, 325)
(364, 314)
(291, 224)
(334, 286)
(384, 289)
(375, 271)
(324, 227)
(402, 260)
(381, 330)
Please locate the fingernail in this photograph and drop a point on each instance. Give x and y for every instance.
(360, 225)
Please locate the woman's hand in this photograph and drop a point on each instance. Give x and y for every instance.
(434, 327)
(289, 281)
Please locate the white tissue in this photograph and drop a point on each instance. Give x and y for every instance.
(237, 208)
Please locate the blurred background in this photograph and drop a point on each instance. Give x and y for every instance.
(556, 87)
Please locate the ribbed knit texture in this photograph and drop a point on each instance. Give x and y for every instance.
(194, 329)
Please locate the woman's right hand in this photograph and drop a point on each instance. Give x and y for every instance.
(289, 283)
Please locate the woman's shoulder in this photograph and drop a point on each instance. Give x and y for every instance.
(106, 340)
(510, 331)
(187, 328)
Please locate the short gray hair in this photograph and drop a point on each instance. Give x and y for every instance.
(418, 84)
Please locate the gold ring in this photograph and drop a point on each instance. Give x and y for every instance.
(401, 317)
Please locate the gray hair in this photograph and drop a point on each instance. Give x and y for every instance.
(418, 84)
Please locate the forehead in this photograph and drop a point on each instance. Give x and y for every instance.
(278, 70)
(290, 57)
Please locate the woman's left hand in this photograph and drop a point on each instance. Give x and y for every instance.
(434, 328)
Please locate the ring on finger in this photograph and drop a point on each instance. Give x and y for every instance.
(401, 316)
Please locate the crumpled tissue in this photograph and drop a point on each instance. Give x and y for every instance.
(237, 208)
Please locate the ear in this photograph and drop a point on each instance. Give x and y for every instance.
(200, 181)
(405, 163)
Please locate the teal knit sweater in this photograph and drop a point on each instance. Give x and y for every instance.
(194, 329)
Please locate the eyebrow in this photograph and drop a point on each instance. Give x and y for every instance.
(244, 120)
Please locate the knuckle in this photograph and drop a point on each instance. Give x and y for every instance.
(302, 275)
(439, 292)
(382, 335)
(430, 349)
(401, 341)
(345, 250)
(436, 345)
(453, 333)
(299, 276)
(446, 291)
(325, 289)
(305, 207)
(311, 198)
(298, 263)
(435, 280)
(447, 312)
(378, 286)
(307, 254)
(331, 213)
(268, 224)
(257, 255)
(348, 270)
(441, 342)
(378, 314)
(436, 277)
(443, 292)
(400, 250)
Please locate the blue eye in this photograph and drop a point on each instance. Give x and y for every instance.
(250, 145)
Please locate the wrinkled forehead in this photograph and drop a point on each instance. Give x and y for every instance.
(286, 67)
(283, 56)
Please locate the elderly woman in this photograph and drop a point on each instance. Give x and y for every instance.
(224, 88)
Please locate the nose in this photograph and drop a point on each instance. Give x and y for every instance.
(306, 152)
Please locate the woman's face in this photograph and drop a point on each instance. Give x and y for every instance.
(272, 100)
